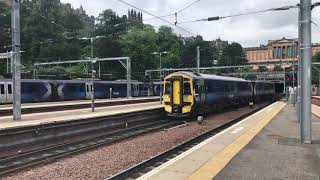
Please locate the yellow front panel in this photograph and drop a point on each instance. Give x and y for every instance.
(176, 92)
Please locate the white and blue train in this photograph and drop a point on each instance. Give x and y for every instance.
(61, 90)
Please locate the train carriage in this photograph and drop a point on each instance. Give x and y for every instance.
(60, 90)
(187, 93)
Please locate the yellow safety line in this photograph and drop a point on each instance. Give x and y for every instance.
(210, 169)
(316, 110)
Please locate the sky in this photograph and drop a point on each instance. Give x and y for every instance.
(250, 30)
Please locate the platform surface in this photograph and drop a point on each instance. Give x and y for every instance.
(262, 146)
(75, 102)
(275, 152)
(77, 114)
(214, 153)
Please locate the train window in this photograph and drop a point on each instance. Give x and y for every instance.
(168, 88)
(186, 88)
(1, 88)
(9, 88)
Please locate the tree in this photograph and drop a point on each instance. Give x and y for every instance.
(316, 68)
(139, 44)
(207, 53)
(168, 41)
(277, 68)
(262, 69)
(110, 24)
(72, 24)
(5, 32)
(233, 55)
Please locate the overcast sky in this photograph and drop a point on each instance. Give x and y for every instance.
(250, 30)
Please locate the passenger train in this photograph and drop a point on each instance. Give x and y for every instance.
(187, 93)
(60, 90)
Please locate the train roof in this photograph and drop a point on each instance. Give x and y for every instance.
(215, 77)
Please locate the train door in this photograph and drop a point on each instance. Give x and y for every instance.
(135, 90)
(88, 90)
(176, 93)
(3, 94)
(202, 91)
(9, 91)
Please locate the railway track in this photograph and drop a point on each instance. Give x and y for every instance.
(41, 109)
(25, 160)
(149, 164)
(14, 139)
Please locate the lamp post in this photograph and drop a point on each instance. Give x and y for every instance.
(160, 54)
(93, 61)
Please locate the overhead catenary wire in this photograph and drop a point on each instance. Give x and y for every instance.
(181, 10)
(158, 17)
(240, 14)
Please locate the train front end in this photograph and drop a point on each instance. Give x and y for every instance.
(178, 95)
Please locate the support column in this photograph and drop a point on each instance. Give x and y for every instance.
(16, 77)
(305, 49)
(198, 59)
(128, 78)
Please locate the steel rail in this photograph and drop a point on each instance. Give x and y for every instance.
(147, 165)
(15, 163)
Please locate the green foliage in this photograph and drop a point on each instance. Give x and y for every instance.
(277, 68)
(50, 31)
(207, 53)
(262, 69)
(233, 55)
(170, 42)
(139, 44)
(315, 73)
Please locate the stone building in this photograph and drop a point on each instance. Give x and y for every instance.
(282, 50)
(219, 44)
(134, 16)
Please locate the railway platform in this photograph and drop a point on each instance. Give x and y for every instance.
(27, 108)
(264, 145)
(78, 102)
(7, 122)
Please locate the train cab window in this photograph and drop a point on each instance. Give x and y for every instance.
(168, 88)
(9, 88)
(1, 88)
(186, 88)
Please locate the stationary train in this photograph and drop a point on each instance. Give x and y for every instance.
(60, 90)
(187, 94)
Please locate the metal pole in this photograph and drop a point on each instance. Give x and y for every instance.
(198, 59)
(92, 76)
(160, 79)
(34, 73)
(293, 82)
(284, 83)
(15, 23)
(7, 62)
(306, 54)
(128, 78)
(99, 70)
(299, 67)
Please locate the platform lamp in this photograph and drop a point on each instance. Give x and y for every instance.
(160, 54)
(92, 66)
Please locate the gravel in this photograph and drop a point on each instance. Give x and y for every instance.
(108, 160)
